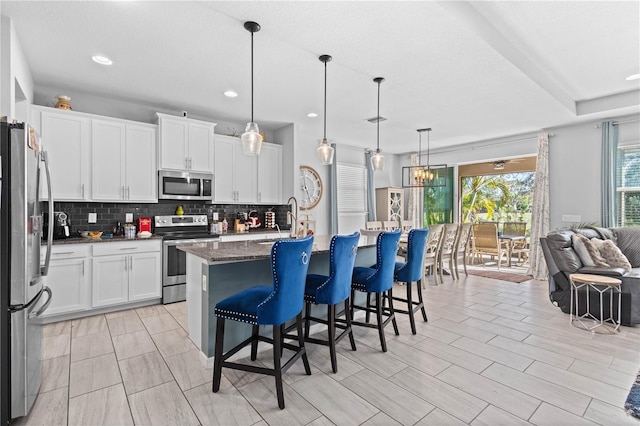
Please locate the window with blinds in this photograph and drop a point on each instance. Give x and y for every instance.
(352, 188)
(628, 185)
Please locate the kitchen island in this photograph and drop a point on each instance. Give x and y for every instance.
(217, 270)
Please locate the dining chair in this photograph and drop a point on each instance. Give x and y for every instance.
(268, 305)
(374, 226)
(486, 241)
(462, 249)
(406, 225)
(412, 271)
(447, 249)
(377, 280)
(519, 247)
(390, 225)
(331, 290)
(432, 252)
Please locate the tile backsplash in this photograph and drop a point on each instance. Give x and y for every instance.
(109, 214)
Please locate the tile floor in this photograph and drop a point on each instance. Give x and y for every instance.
(493, 352)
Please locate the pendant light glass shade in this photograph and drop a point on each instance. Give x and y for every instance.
(251, 138)
(377, 159)
(325, 151)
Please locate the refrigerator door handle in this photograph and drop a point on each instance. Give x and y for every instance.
(44, 270)
(44, 307)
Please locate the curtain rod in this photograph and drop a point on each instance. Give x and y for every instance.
(617, 123)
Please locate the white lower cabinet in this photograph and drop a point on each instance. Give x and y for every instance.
(68, 279)
(126, 272)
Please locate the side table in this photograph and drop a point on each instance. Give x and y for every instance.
(600, 284)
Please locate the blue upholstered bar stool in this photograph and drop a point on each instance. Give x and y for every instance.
(378, 280)
(411, 271)
(331, 290)
(268, 305)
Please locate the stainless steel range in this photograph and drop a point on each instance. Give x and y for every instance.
(179, 230)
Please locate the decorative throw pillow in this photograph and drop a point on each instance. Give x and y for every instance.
(592, 248)
(581, 250)
(613, 256)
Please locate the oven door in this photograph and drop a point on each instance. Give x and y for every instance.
(174, 261)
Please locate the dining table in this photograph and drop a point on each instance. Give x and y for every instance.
(510, 240)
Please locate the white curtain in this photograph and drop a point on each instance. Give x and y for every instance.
(540, 210)
(415, 200)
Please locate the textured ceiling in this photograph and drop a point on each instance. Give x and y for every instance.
(470, 70)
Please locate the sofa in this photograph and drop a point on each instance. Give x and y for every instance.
(563, 257)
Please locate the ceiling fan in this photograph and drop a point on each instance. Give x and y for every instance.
(500, 164)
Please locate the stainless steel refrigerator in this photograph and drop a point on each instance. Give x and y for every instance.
(23, 296)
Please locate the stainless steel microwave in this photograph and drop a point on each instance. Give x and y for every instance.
(173, 185)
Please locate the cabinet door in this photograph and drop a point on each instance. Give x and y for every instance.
(110, 280)
(270, 174)
(224, 149)
(201, 147)
(174, 134)
(65, 137)
(145, 281)
(140, 166)
(244, 176)
(107, 164)
(68, 280)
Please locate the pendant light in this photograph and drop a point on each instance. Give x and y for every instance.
(424, 176)
(251, 138)
(325, 150)
(377, 159)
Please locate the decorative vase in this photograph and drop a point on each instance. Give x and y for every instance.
(63, 102)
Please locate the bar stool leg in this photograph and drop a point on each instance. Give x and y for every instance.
(307, 321)
(412, 321)
(305, 360)
(217, 357)
(347, 317)
(422, 308)
(383, 342)
(254, 342)
(277, 368)
(331, 329)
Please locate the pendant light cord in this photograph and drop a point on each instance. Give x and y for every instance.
(378, 120)
(420, 149)
(325, 101)
(252, 76)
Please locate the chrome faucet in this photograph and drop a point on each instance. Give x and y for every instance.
(278, 228)
(292, 218)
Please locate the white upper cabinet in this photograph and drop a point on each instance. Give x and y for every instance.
(123, 166)
(66, 138)
(270, 174)
(185, 144)
(235, 173)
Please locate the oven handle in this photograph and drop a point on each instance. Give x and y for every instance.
(190, 241)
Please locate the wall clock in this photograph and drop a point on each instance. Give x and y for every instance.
(310, 188)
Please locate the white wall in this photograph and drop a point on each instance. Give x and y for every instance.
(16, 82)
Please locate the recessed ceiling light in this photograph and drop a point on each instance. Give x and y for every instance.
(312, 115)
(633, 77)
(230, 94)
(102, 60)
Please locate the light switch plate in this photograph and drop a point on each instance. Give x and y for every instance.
(128, 217)
(572, 218)
(93, 218)
(215, 215)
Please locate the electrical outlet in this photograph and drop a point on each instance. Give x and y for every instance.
(93, 218)
(204, 283)
(215, 215)
(128, 217)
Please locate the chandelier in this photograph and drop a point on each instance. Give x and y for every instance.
(420, 176)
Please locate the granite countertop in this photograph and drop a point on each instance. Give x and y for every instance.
(252, 250)
(230, 231)
(81, 240)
